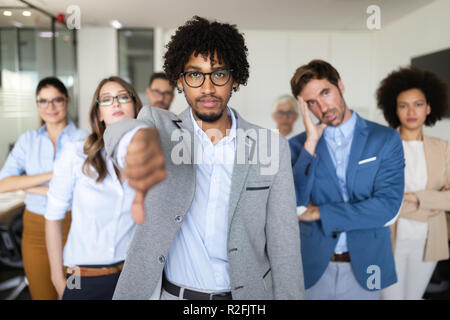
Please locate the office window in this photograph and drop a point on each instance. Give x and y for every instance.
(31, 48)
(136, 58)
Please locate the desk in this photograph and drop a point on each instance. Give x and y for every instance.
(10, 204)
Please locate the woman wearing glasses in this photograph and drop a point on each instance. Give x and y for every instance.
(411, 99)
(29, 167)
(100, 198)
(285, 115)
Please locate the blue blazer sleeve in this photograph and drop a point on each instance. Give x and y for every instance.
(303, 167)
(384, 205)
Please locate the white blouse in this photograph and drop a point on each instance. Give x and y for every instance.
(102, 226)
(415, 180)
(416, 166)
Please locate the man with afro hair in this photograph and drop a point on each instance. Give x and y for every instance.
(216, 220)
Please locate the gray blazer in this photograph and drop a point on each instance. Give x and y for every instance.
(263, 233)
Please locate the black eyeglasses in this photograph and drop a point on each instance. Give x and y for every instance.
(107, 101)
(195, 79)
(164, 94)
(280, 114)
(44, 103)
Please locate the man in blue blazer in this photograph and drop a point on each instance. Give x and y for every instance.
(349, 182)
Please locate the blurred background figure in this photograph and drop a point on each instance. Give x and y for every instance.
(411, 99)
(29, 167)
(285, 115)
(159, 91)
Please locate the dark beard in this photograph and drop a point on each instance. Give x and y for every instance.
(209, 117)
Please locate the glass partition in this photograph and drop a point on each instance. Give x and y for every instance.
(136, 58)
(32, 46)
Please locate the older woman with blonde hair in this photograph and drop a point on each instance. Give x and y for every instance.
(89, 182)
(411, 99)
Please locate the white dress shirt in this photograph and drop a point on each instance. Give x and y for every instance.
(339, 141)
(198, 256)
(102, 226)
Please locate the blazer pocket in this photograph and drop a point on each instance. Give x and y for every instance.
(257, 188)
(368, 163)
(257, 185)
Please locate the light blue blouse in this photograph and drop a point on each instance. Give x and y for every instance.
(33, 154)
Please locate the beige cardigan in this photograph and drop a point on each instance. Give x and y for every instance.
(437, 155)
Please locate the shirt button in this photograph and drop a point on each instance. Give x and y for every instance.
(161, 259)
(178, 218)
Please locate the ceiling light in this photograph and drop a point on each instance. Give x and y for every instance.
(116, 24)
(26, 13)
(7, 13)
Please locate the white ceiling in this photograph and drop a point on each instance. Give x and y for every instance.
(247, 14)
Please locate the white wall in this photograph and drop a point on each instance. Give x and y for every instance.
(422, 32)
(97, 59)
(363, 58)
(275, 55)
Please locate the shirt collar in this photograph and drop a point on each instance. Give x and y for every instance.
(346, 129)
(231, 134)
(69, 129)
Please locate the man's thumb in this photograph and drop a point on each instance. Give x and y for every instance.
(138, 208)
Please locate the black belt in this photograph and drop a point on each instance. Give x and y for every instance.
(188, 294)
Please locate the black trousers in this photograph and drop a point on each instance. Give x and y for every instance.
(91, 288)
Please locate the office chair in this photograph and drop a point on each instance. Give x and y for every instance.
(10, 250)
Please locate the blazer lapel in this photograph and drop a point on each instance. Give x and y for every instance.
(240, 170)
(359, 141)
(184, 122)
(431, 161)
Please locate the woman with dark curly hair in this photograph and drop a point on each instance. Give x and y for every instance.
(411, 98)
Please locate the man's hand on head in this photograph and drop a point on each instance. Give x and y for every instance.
(313, 131)
(145, 167)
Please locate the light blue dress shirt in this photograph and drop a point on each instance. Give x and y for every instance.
(33, 154)
(339, 141)
(198, 256)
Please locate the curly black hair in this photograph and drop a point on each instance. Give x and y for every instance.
(200, 36)
(434, 88)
